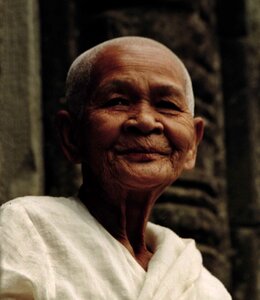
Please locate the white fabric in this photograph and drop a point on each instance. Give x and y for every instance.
(52, 248)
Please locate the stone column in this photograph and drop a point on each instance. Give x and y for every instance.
(239, 26)
(58, 36)
(21, 164)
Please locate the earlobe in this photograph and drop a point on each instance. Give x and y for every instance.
(198, 135)
(66, 132)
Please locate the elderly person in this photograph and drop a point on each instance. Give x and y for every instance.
(130, 124)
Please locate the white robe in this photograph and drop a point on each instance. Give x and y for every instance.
(52, 248)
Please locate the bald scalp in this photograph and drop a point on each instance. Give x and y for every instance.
(80, 84)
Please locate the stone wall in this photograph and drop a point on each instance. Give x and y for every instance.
(21, 159)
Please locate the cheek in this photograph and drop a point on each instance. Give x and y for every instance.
(180, 134)
(101, 131)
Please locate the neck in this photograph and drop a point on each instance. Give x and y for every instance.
(124, 214)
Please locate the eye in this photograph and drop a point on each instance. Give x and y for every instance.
(167, 105)
(117, 101)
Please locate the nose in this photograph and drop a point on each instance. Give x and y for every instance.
(143, 120)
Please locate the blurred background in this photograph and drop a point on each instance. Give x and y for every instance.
(218, 203)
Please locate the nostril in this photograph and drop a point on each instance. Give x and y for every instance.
(157, 130)
(143, 126)
(133, 130)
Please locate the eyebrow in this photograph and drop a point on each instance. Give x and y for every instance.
(117, 86)
(128, 86)
(165, 90)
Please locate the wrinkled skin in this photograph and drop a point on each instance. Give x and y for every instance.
(136, 137)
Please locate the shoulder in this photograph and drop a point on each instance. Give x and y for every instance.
(17, 207)
(37, 210)
(37, 203)
(210, 287)
(186, 252)
(30, 219)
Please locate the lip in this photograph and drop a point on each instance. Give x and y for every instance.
(141, 154)
(128, 150)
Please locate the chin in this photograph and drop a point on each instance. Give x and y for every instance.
(140, 175)
(145, 180)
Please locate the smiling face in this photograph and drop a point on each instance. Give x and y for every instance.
(137, 129)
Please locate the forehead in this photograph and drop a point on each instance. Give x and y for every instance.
(148, 61)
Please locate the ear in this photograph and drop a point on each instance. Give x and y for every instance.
(198, 134)
(67, 134)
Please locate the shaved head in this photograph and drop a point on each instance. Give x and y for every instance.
(80, 83)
